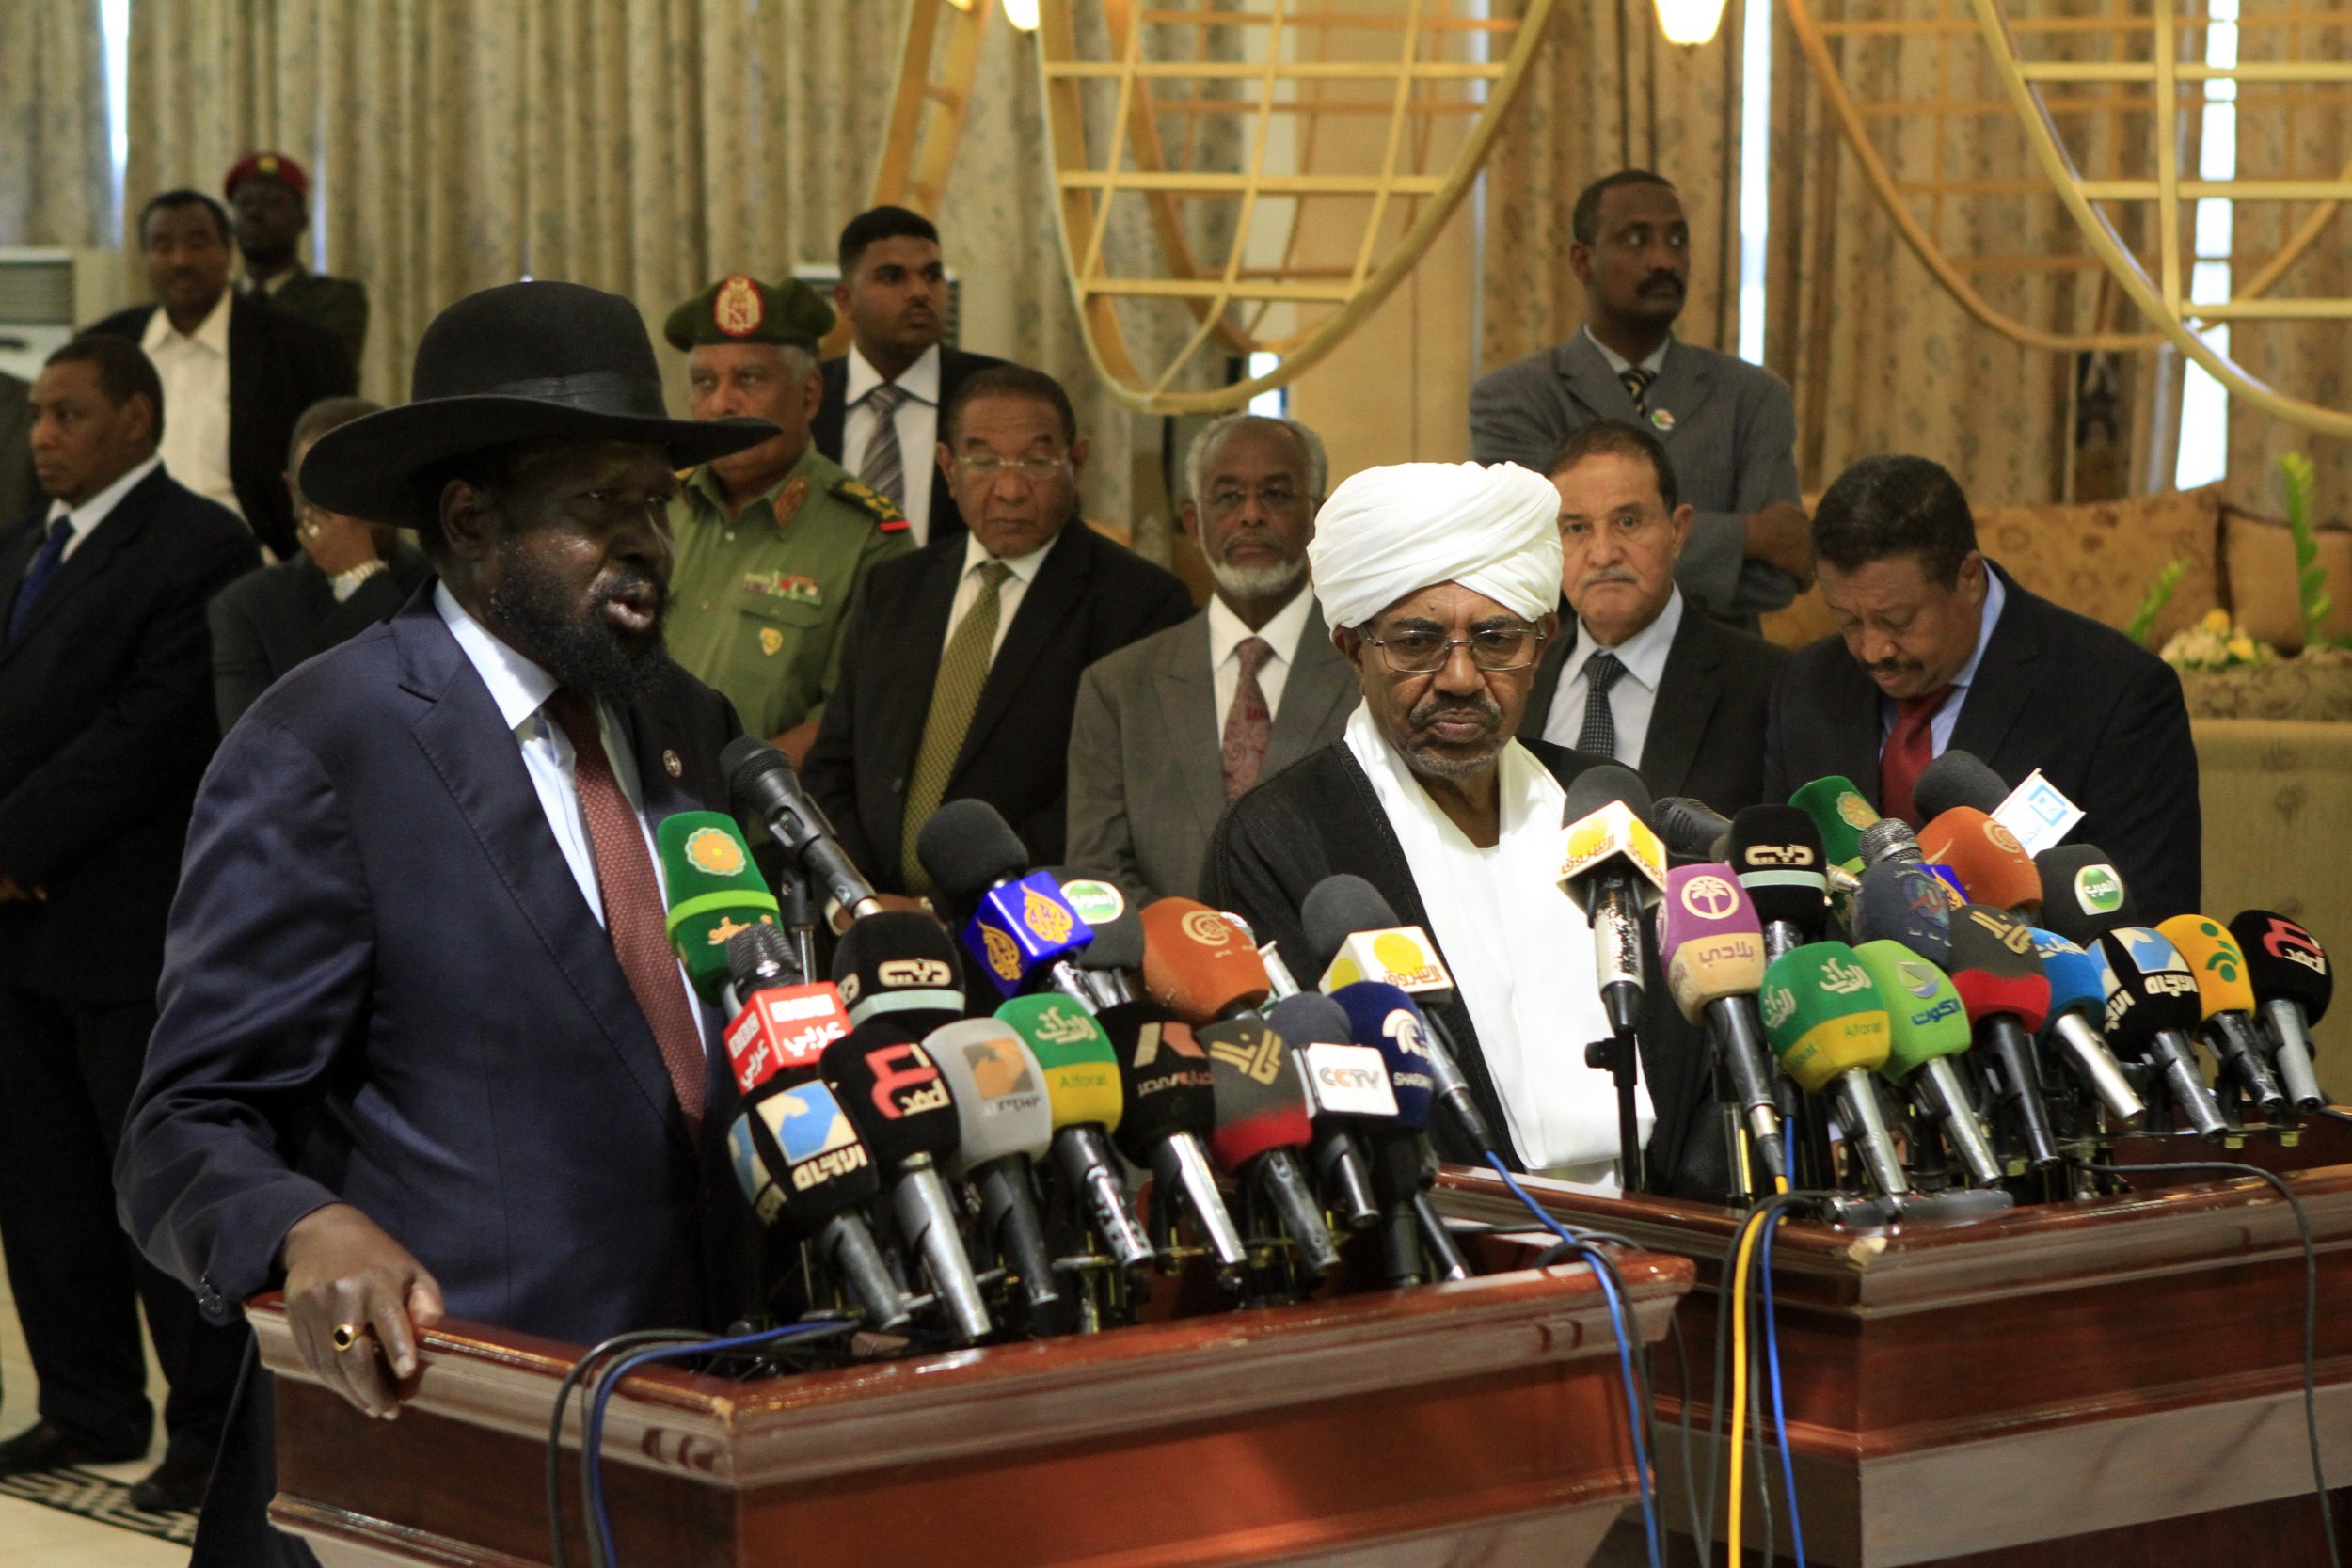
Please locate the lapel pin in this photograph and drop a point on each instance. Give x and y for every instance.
(672, 764)
(1663, 418)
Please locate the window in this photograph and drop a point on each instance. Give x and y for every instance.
(2204, 449)
(1755, 159)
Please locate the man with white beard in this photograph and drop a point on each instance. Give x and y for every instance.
(1171, 730)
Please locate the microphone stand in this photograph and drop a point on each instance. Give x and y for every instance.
(796, 913)
(1622, 1056)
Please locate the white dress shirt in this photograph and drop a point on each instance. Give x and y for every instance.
(1619, 364)
(87, 517)
(1225, 635)
(1948, 717)
(1009, 593)
(195, 372)
(1632, 699)
(521, 688)
(918, 420)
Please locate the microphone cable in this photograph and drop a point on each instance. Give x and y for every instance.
(2311, 1309)
(573, 1376)
(1586, 1244)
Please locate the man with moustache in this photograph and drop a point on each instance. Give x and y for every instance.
(1730, 427)
(1171, 730)
(420, 860)
(237, 370)
(1937, 647)
(1439, 581)
(1641, 680)
(881, 415)
(773, 543)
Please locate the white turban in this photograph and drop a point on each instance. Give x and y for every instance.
(1388, 532)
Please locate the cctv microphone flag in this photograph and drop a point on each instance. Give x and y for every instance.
(2293, 982)
(900, 963)
(1384, 1018)
(1838, 813)
(714, 891)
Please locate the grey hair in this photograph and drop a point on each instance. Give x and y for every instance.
(1204, 446)
(798, 362)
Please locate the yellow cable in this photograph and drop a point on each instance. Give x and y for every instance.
(1739, 1383)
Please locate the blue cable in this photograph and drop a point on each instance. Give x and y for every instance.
(1780, 1414)
(593, 1436)
(1636, 1416)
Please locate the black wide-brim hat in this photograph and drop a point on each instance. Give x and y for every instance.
(521, 362)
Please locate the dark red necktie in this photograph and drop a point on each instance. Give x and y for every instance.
(633, 915)
(1248, 725)
(1908, 750)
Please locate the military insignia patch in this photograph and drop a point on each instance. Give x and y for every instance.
(771, 640)
(789, 503)
(789, 586)
(886, 513)
(738, 311)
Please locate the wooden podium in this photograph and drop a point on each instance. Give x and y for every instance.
(1480, 1421)
(2114, 1382)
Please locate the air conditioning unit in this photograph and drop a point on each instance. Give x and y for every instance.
(45, 295)
(823, 276)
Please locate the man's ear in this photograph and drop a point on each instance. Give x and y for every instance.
(1580, 262)
(1188, 515)
(1680, 522)
(1079, 450)
(1350, 642)
(465, 512)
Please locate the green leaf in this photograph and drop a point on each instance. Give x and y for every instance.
(2311, 581)
(2152, 604)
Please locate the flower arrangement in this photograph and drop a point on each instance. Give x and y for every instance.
(2216, 642)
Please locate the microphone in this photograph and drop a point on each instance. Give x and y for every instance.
(2152, 1006)
(1347, 917)
(2079, 999)
(1104, 966)
(2083, 895)
(1171, 1099)
(1196, 965)
(783, 1030)
(1614, 869)
(1777, 853)
(2000, 982)
(2225, 997)
(1992, 868)
(1958, 779)
(1021, 927)
(803, 1169)
(1904, 901)
(1927, 1027)
(1713, 945)
(2289, 969)
(1383, 1017)
(758, 957)
(900, 1104)
(1262, 1114)
(1278, 973)
(1003, 1122)
(713, 892)
(1082, 1090)
(761, 781)
(1888, 839)
(1827, 1024)
(1839, 814)
(1691, 827)
(1347, 1085)
(899, 964)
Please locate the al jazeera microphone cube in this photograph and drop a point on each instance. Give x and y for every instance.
(1020, 928)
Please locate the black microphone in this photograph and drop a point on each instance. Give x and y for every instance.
(1692, 828)
(2151, 1007)
(1170, 1112)
(1614, 870)
(900, 963)
(2293, 982)
(1107, 966)
(761, 781)
(804, 1169)
(1776, 853)
(1022, 931)
(2083, 895)
(1957, 778)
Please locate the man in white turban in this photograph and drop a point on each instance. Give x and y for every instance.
(1439, 581)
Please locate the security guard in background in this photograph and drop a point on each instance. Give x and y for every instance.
(270, 194)
(775, 543)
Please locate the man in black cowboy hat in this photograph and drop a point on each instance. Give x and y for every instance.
(422, 1046)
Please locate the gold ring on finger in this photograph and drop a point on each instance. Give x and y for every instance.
(346, 1336)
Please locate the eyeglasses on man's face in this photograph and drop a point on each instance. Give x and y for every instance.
(1225, 502)
(985, 467)
(1493, 648)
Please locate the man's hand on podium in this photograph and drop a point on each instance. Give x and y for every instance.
(352, 1290)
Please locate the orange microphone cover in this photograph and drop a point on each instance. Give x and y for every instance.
(1990, 864)
(1198, 964)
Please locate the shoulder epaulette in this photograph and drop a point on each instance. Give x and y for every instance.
(886, 516)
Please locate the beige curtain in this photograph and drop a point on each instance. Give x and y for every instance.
(57, 181)
(1607, 91)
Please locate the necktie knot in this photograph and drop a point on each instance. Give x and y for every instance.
(1253, 652)
(1637, 380)
(575, 713)
(993, 575)
(1602, 670)
(885, 398)
(1914, 711)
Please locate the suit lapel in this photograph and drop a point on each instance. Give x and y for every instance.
(1060, 586)
(2003, 682)
(1590, 380)
(249, 349)
(462, 734)
(1688, 691)
(1320, 684)
(1184, 690)
(1683, 386)
(1546, 689)
(1851, 715)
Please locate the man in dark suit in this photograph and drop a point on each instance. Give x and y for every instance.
(20, 487)
(879, 414)
(1939, 648)
(961, 667)
(1680, 697)
(1171, 730)
(420, 860)
(106, 726)
(1730, 426)
(238, 370)
(349, 576)
(271, 197)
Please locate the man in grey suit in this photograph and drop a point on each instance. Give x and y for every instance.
(1171, 730)
(1636, 675)
(1730, 426)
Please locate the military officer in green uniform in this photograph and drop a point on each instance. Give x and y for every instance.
(775, 543)
(271, 197)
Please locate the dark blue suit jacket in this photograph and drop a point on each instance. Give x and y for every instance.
(381, 985)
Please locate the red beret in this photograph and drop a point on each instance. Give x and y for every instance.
(271, 165)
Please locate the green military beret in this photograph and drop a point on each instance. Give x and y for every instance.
(742, 310)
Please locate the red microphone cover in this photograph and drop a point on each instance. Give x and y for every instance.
(1261, 1101)
(1995, 969)
(1986, 857)
(784, 1029)
(1197, 963)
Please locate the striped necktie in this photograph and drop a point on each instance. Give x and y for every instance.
(955, 695)
(1637, 382)
(885, 468)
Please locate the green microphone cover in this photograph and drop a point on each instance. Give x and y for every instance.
(1924, 1018)
(1839, 811)
(714, 892)
(1822, 1013)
